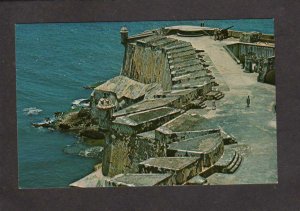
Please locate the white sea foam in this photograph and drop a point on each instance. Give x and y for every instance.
(32, 111)
(80, 103)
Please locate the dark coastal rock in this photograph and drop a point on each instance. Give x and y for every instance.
(91, 132)
(80, 123)
(47, 123)
(83, 150)
(64, 126)
(84, 113)
(92, 152)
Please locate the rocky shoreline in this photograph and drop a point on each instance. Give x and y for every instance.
(80, 123)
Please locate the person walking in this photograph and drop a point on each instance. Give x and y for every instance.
(248, 101)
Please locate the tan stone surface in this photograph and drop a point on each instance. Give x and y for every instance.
(123, 87)
(254, 126)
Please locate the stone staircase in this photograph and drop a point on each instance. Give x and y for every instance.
(214, 95)
(188, 68)
(229, 162)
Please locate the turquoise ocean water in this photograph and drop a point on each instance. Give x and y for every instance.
(53, 63)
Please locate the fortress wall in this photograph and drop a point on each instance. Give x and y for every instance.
(235, 34)
(242, 49)
(260, 51)
(116, 158)
(235, 49)
(124, 154)
(267, 38)
(263, 37)
(147, 65)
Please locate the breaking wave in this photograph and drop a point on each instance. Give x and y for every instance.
(32, 111)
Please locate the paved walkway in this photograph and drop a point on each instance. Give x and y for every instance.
(254, 127)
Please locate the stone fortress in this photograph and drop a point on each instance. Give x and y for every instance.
(164, 116)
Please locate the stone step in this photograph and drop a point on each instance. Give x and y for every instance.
(184, 52)
(236, 166)
(162, 43)
(187, 70)
(189, 76)
(229, 162)
(150, 39)
(232, 164)
(207, 58)
(183, 48)
(202, 105)
(205, 64)
(181, 168)
(204, 56)
(228, 156)
(200, 50)
(181, 59)
(197, 83)
(200, 56)
(202, 53)
(158, 40)
(172, 45)
(185, 86)
(219, 96)
(185, 64)
(214, 95)
(176, 47)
